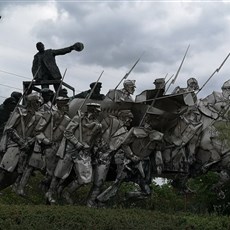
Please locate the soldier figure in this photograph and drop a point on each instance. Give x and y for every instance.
(81, 137)
(19, 136)
(47, 96)
(216, 103)
(192, 85)
(46, 145)
(124, 94)
(44, 64)
(5, 110)
(114, 131)
(96, 95)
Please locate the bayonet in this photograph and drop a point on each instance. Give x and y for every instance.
(178, 71)
(216, 71)
(127, 74)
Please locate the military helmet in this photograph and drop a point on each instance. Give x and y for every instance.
(129, 83)
(93, 106)
(226, 85)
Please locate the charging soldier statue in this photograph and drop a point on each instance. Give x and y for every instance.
(134, 162)
(124, 94)
(114, 130)
(47, 143)
(18, 137)
(80, 138)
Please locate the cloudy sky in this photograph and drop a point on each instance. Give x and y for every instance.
(115, 35)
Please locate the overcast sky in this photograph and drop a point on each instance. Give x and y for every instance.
(115, 35)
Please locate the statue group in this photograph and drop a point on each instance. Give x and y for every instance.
(91, 137)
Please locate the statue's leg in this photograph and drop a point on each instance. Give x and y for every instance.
(24, 180)
(100, 173)
(51, 191)
(73, 186)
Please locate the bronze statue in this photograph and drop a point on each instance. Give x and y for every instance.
(44, 63)
(124, 94)
(96, 95)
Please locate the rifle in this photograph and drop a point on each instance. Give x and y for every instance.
(167, 83)
(177, 73)
(58, 90)
(79, 110)
(127, 74)
(216, 71)
(23, 95)
(53, 100)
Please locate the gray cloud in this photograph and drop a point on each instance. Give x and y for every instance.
(115, 34)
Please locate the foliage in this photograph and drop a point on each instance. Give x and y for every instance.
(77, 217)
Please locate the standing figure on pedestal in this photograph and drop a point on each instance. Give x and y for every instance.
(124, 94)
(44, 64)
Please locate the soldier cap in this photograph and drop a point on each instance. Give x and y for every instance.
(93, 83)
(125, 113)
(9, 100)
(46, 91)
(94, 105)
(129, 83)
(62, 100)
(159, 81)
(226, 85)
(63, 92)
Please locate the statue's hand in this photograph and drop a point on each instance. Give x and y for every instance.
(78, 46)
(135, 159)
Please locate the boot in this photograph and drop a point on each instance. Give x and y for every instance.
(74, 185)
(92, 197)
(51, 191)
(24, 180)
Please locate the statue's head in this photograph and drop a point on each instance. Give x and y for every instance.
(93, 108)
(126, 116)
(47, 94)
(16, 95)
(63, 103)
(192, 84)
(129, 86)
(159, 83)
(40, 46)
(226, 89)
(34, 101)
(97, 88)
(63, 92)
(10, 103)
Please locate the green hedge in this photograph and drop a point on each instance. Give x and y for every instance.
(79, 217)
